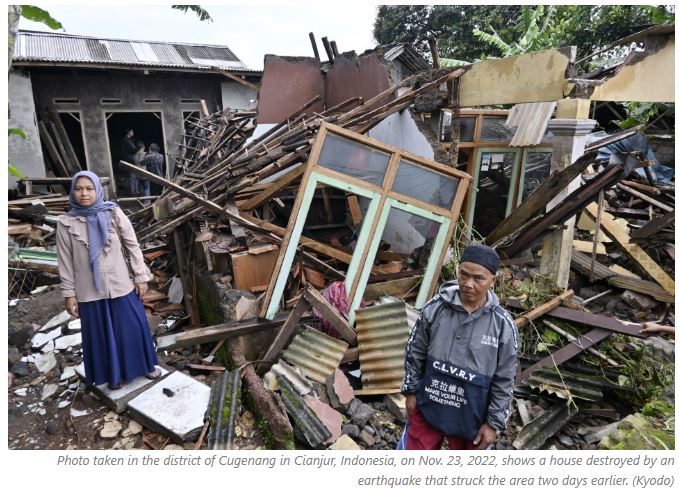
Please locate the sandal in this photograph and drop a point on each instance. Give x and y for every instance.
(154, 374)
(116, 387)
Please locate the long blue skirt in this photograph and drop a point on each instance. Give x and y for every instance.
(117, 343)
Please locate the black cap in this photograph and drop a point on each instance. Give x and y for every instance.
(482, 255)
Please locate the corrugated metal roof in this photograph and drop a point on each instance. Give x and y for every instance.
(566, 385)
(315, 353)
(407, 55)
(382, 332)
(537, 432)
(35, 46)
(530, 120)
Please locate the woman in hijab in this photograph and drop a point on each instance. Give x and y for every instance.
(93, 239)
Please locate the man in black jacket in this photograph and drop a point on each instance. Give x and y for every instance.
(461, 361)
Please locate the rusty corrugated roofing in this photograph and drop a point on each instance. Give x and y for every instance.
(530, 120)
(315, 353)
(382, 332)
(307, 423)
(59, 48)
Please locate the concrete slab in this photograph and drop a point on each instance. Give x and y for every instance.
(118, 399)
(344, 443)
(175, 407)
(71, 341)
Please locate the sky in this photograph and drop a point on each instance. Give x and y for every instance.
(250, 30)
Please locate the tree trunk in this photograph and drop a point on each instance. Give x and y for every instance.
(13, 16)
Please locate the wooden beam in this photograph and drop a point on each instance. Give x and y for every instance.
(618, 234)
(216, 333)
(653, 226)
(646, 198)
(273, 188)
(539, 311)
(330, 313)
(233, 77)
(284, 334)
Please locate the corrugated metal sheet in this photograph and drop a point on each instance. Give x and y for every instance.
(315, 353)
(530, 120)
(537, 432)
(411, 313)
(566, 385)
(307, 424)
(282, 369)
(382, 332)
(225, 397)
(34, 46)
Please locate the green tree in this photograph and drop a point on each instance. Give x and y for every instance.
(589, 27)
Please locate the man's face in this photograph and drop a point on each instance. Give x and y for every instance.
(474, 281)
(130, 134)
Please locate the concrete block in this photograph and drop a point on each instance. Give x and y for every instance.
(117, 400)
(175, 407)
(344, 443)
(396, 405)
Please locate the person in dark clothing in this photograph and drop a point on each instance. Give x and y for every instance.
(128, 149)
(461, 361)
(155, 163)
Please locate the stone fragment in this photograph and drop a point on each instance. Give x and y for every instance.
(637, 300)
(69, 371)
(48, 390)
(111, 429)
(351, 430)
(360, 412)
(20, 369)
(42, 338)
(246, 308)
(344, 443)
(51, 428)
(328, 416)
(48, 348)
(44, 362)
(13, 355)
(21, 392)
(339, 390)
(70, 341)
(59, 319)
(366, 438)
(18, 336)
(133, 428)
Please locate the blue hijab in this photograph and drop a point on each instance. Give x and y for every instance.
(98, 221)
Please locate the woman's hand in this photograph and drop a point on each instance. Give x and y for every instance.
(141, 288)
(71, 305)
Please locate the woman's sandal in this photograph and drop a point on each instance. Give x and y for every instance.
(116, 387)
(154, 374)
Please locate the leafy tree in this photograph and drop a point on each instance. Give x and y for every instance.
(512, 28)
(202, 14)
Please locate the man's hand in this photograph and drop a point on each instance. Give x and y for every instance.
(71, 305)
(141, 288)
(411, 405)
(486, 437)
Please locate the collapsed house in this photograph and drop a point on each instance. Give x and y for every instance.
(354, 178)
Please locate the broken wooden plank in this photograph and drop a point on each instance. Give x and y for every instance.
(532, 206)
(284, 335)
(653, 226)
(235, 78)
(330, 314)
(237, 230)
(216, 333)
(571, 338)
(640, 257)
(398, 288)
(252, 270)
(539, 311)
(195, 366)
(646, 198)
(354, 210)
(273, 188)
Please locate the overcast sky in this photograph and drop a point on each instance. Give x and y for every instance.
(249, 31)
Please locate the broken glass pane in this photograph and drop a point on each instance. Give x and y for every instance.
(353, 159)
(425, 185)
(493, 129)
(495, 175)
(467, 125)
(536, 171)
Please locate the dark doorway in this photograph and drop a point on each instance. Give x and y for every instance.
(148, 128)
(74, 130)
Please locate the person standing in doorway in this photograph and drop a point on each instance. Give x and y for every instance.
(127, 150)
(135, 186)
(154, 162)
